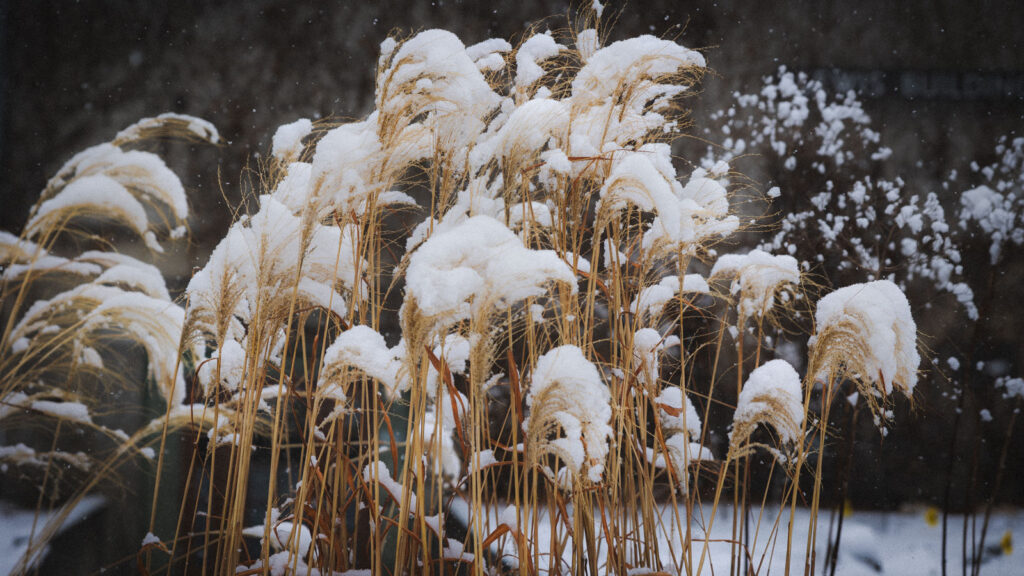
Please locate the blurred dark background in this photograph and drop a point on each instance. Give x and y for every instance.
(942, 79)
(73, 74)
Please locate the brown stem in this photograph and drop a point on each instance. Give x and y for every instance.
(995, 489)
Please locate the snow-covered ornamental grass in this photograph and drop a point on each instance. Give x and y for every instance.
(554, 340)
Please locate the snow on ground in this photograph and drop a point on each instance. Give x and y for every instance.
(873, 543)
(890, 543)
(16, 529)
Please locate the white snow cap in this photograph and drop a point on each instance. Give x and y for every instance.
(772, 386)
(873, 317)
(93, 195)
(645, 57)
(109, 182)
(347, 170)
(758, 277)
(686, 215)
(677, 412)
(364, 348)
(155, 324)
(258, 262)
(566, 389)
(197, 127)
(287, 142)
(652, 299)
(680, 424)
(681, 452)
(229, 361)
(488, 54)
(526, 131)
(476, 265)
(537, 48)
(433, 74)
(648, 344)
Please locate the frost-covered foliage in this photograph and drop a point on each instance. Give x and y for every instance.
(996, 204)
(850, 209)
(835, 216)
(1012, 387)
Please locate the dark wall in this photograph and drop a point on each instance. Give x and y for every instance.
(74, 74)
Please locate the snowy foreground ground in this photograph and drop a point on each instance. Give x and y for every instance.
(896, 543)
(16, 529)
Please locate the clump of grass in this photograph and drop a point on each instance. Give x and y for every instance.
(530, 379)
(80, 317)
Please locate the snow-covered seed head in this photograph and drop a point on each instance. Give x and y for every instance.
(351, 170)
(681, 452)
(771, 396)
(104, 196)
(680, 426)
(677, 413)
(639, 178)
(866, 332)
(364, 349)
(430, 86)
(169, 125)
(263, 263)
(569, 414)
(471, 270)
(638, 69)
(23, 260)
(758, 278)
(129, 187)
(651, 301)
(648, 345)
(287, 144)
(225, 368)
(686, 216)
(79, 318)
